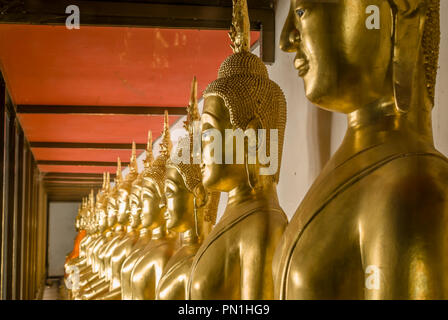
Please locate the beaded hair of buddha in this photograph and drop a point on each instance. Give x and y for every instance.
(113, 193)
(431, 44)
(137, 184)
(157, 171)
(101, 197)
(423, 46)
(126, 184)
(243, 84)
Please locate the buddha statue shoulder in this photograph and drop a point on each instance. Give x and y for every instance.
(189, 209)
(373, 225)
(149, 267)
(235, 260)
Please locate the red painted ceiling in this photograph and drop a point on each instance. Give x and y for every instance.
(103, 66)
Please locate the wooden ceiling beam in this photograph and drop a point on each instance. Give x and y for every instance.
(49, 179)
(74, 174)
(100, 110)
(80, 163)
(84, 145)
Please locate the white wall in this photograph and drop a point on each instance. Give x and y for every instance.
(61, 235)
(440, 114)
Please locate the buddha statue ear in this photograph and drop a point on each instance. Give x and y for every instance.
(407, 36)
(251, 151)
(200, 196)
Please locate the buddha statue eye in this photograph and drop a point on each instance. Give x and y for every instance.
(300, 12)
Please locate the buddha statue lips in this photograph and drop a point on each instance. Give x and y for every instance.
(373, 224)
(234, 261)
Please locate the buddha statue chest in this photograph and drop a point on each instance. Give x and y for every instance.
(174, 282)
(148, 270)
(372, 245)
(235, 260)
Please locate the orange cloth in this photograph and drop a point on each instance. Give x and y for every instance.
(75, 253)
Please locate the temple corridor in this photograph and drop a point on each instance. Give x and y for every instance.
(120, 121)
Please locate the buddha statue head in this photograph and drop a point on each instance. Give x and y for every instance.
(124, 188)
(84, 219)
(135, 204)
(189, 206)
(152, 196)
(243, 98)
(364, 54)
(112, 197)
(91, 213)
(79, 221)
(101, 201)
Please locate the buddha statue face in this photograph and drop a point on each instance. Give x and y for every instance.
(111, 214)
(122, 205)
(100, 213)
(78, 223)
(334, 49)
(151, 215)
(102, 219)
(179, 202)
(218, 177)
(135, 210)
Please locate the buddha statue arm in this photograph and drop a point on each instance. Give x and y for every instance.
(405, 256)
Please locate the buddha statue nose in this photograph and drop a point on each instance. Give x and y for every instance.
(290, 37)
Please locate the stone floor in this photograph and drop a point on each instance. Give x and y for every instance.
(52, 290)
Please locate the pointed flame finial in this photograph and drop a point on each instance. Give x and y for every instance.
(166, 145)
(192, 109)
(119, 177)
(107, 188)
(133, 161)
(149, 155)
(104, 181)
(240, 29)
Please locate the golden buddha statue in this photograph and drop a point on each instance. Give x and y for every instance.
(82, 266)
(87, 215)
(124, 290)
(106, 221)
(98, 226)
(85, 219)
(373, 224)
(188, 209)
(148, 269)
(104, 233)
(86, 222)
(81, 233)
(74, 256)
(121, 231)
(234, 262)
(137, 237)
